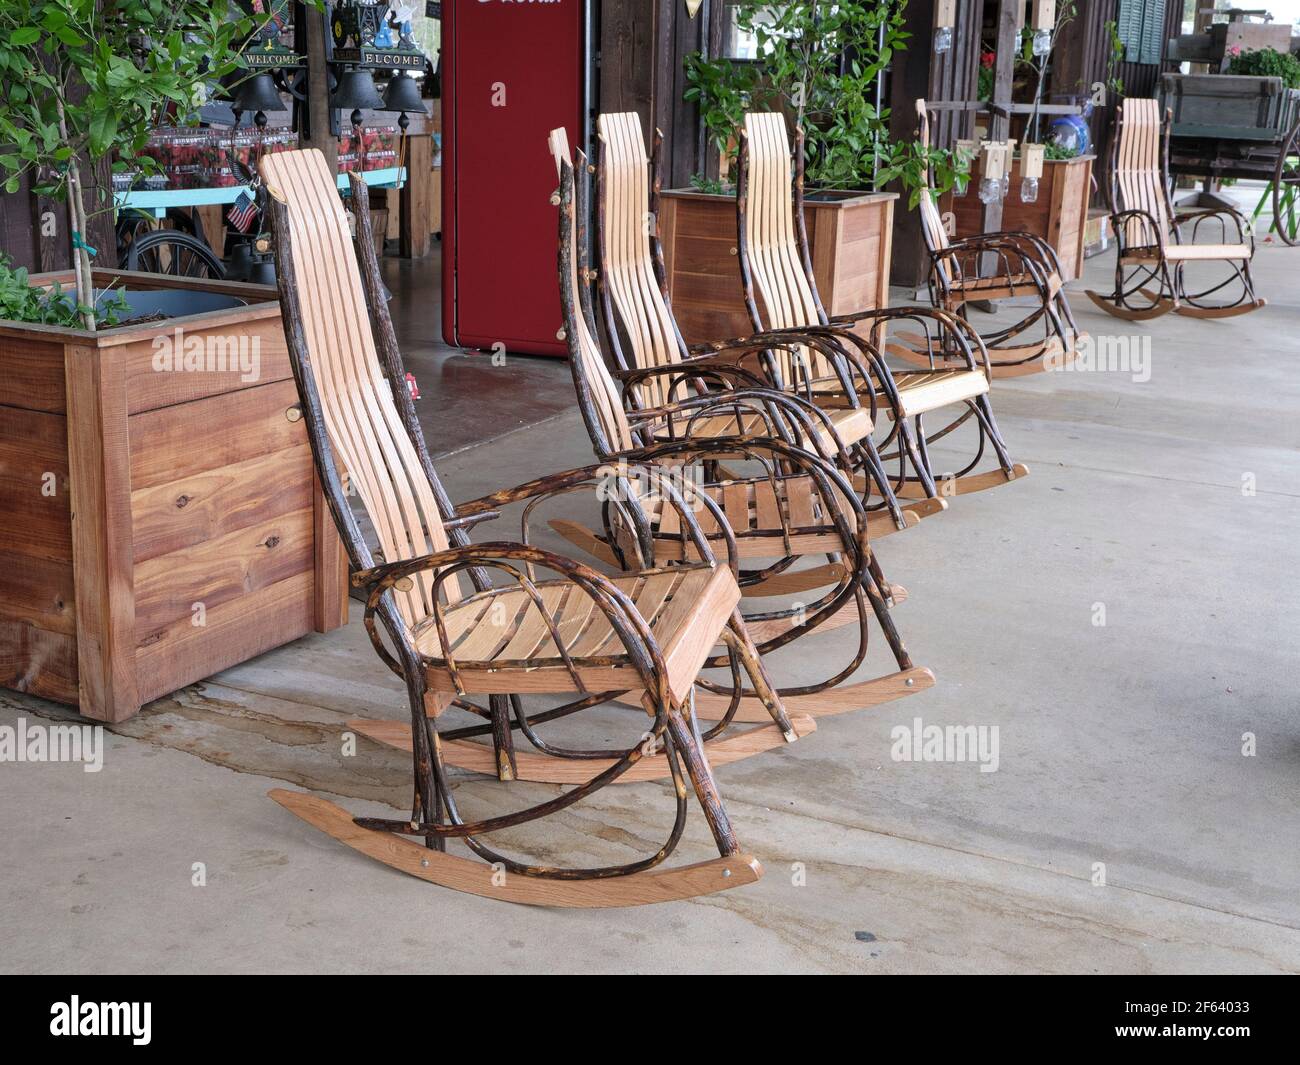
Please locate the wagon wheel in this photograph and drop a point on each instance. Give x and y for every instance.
(1286, 189)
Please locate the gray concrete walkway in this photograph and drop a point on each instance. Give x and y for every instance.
(1121, 746)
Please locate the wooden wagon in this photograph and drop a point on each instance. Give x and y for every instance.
(1238, 126)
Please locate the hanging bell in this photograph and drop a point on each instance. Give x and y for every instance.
(403, 94)
(356, 92)
(258, 93)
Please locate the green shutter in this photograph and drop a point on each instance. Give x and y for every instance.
(1141, 27)
(1128, 24)
(1153, 31)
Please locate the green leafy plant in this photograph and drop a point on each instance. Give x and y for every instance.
(916, 166)
(1052, 150)
(21, 302)
(1116, 57)
(1268, 62)
(81, 79)
(817, 62)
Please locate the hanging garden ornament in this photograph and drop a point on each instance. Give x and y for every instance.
(1043, 22)
(945, 17)
(992, 171)
(1031, 169)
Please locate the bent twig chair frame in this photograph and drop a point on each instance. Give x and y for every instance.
(776, 267)
(997, 266)
(646, 633)
(646, 341)
(1151, 255)
(799, 504)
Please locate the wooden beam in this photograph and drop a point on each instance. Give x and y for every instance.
(1010, 14)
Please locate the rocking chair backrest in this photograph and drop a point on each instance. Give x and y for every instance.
(365, 434)
(936, 236)
(1137, 176)
(626, 262)
(769, 247)
(599, 395)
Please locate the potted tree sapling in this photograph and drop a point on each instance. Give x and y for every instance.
(819, 64)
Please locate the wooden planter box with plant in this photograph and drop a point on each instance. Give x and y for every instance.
(848, 236)
(799, 72)
(1059, 214)
(162, 520)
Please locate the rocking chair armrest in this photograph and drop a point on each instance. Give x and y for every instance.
(791, 455)
(555, 482)
(969, 344)
(1244, 228)
(1121, 218)
(1044, 251)
(1028, 258)
(844, 361)
(468, 521)
(702, 368)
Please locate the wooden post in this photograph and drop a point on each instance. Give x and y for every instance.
(1010, 15)
(99, 476)
(318, 95)
(416, 197)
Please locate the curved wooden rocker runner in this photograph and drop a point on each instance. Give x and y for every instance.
(1150, 256)
(454, 629)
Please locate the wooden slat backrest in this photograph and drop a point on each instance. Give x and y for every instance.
(365, 432)
(772, 250)
(589, 361)
(936, 236)
(626, 262)
(1139, 181)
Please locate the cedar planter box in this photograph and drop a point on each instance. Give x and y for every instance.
(849, 237)
(160, 524)
(1059, 215)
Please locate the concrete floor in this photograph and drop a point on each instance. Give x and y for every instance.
(1120, 744)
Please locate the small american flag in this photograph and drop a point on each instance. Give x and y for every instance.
(242, 213)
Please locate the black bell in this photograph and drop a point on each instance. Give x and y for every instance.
(356, 91)
(403, 94)
(258, 93)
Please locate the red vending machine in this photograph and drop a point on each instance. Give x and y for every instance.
(512, 70)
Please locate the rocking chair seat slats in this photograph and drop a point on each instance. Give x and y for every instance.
(500, 642)
(1185, 252)
(848, 426)
(920, 391)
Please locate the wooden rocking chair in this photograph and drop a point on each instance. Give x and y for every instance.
(645, 338)
(993, 267)
(798, 504)
(775, 259)
(1151, 255)
(647, 633)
